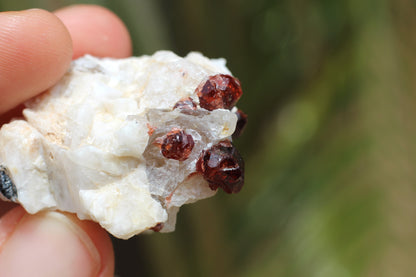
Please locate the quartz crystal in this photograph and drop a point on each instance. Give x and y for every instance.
(125, 142)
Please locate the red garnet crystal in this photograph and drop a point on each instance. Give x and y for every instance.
(222, 166)
(241, 123)
(185, 104)
(219, 92)
(177, 145)
(158, 227)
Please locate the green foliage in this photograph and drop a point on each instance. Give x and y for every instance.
(329, 90)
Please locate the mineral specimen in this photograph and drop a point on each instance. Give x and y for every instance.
(126, 142)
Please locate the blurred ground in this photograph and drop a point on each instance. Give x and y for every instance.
(330, 154)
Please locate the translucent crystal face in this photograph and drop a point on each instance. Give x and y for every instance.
(177, 145)
(222, 166)
(186, 105)
(219, 92)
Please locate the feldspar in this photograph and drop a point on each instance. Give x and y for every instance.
(126, 142)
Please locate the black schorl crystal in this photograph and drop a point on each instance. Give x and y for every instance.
(7, 188)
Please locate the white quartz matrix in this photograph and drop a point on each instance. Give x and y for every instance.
(87, 146)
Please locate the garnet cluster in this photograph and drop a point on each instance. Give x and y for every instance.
(221, 165)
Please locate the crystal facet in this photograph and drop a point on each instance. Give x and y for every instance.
(177, 145)
(222, 166)
(220, 91)
(186, 105)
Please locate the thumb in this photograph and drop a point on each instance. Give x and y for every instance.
(53, 244)
(35, 52)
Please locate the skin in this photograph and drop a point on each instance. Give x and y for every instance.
(36, 48)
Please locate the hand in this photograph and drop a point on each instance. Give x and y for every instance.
(36, 48)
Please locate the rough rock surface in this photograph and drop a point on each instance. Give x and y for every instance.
(91, 145)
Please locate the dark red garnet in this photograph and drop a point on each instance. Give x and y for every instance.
(177, 145)
(219, 92)
(185, 104)
(241, 123)
(158, 227)
(222, 166)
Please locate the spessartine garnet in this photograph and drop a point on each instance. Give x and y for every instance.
(222, 166)
(185, 104)
(220, 91)
(177, 145)
(158, 227)
(241, 123)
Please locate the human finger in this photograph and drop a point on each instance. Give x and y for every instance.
(53, 244)
(35, 51)
(96, 30)
(6, 206)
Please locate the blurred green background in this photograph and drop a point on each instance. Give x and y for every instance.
(329, 149)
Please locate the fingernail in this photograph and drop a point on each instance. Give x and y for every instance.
(48, 244)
